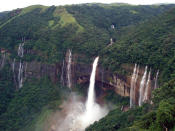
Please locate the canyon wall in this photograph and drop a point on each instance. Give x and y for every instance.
(80, 73)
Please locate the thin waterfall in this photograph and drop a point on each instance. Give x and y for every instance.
(135, 90)
(142, 87)
(21, 50)
(20, 74)
(133, 81)
(148, 88)
(156, 85)
(69, 75)
(91, 91)
(21, 66)
(62, 74)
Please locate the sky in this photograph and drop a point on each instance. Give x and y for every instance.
(6, 5)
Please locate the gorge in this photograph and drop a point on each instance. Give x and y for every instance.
(52, 80)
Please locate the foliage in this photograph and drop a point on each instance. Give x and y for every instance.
(7, 88)
(27, 103)
(86, 29)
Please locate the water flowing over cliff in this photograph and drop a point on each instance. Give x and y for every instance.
(141, 86)
(21, 66)
(69, 72)
(156, 78)
(147, 94)
(133, 85)
(83, 114)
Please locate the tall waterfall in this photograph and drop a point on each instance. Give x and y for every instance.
(69, 74)
(156, 85)
(81, 115)
(142, 87)
(133, 85)
(91, 91)
(148, 88)
(93, 111)
(21, 50)
(20, 74)
(21, 69)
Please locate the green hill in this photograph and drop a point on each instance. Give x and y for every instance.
(142, 34)
(150, 43)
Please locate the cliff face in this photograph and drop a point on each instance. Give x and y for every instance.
(79, 74)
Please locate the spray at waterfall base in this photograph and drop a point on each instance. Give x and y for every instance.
(78, 114)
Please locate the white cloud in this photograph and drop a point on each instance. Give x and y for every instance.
(13, 4)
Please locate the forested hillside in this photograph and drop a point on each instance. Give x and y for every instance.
(151, 43)
(141, 34)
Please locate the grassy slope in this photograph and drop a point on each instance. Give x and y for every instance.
(25, 11)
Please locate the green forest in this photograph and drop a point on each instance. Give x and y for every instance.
(143, 34)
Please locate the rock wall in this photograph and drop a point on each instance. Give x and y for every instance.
(80, 74)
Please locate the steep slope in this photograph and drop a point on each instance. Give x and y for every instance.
(151, 43)
(49, 32)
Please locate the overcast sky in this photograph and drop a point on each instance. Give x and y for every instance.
(6, 5)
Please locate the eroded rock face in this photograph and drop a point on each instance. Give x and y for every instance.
(80, 74)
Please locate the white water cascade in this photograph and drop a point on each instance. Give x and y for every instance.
(69, 74)
(148, 88)
(20, 75)
(156, 85)
(93, 110)
(81, 115)
(91, 92)
(21, 50)
(21, 69)
(142, 87)
(133, 85)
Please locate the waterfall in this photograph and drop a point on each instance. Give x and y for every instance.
(91, 91)
(3, 61)
(148, 88)
(157, 74)
(133, 86)
(21, 50)
(20, 75)
(21, 69)
(142, 87)
(62, 74)
(135, 90)
(69, 75)
(81, 115)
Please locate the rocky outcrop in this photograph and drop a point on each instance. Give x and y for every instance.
(80, 74)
